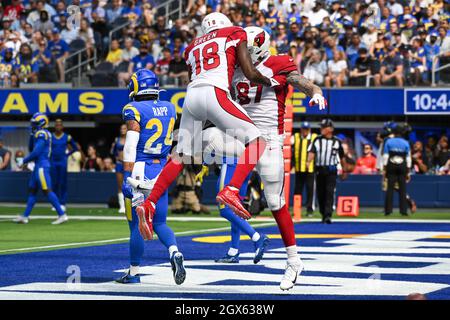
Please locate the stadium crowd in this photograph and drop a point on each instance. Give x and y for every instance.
(334, 43)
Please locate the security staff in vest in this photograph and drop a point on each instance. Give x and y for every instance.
(327, 153)
(397, 165)
(304, 175)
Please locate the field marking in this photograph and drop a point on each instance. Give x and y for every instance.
(181, 233)
(215, 219)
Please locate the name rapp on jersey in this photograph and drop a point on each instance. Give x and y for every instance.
(160, 111)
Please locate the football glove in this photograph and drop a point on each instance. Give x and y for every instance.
(127, 189)
(318, 99)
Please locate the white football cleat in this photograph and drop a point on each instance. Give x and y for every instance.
(291, 274)
(21, 220)
(61, 219)
(122, 210)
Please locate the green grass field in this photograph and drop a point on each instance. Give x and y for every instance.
(40, 235)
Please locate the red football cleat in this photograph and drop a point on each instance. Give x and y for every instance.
(145, 213)
(230, 197)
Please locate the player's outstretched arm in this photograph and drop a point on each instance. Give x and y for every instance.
(307, 87)
(248, 68)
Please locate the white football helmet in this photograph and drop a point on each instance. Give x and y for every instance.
(215, 20)
(258, 42)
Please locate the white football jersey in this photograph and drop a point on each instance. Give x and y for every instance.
(265, 105)
(212, 57)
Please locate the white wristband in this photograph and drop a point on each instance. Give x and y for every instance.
(129, 149)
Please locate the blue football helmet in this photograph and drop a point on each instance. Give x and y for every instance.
(143, 82)
(39, 121)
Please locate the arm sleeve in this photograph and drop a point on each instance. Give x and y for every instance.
(129, 149)
(38, 149)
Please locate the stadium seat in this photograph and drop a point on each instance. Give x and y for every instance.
(104, 76)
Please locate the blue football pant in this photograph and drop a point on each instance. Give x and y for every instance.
(162, 230)
(237, 224)
(59, 179)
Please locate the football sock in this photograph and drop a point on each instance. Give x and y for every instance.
(55, 203)
(172, 250)
(286, 226)
(247, 161)
(165, 234)
(30, 204)
(235, 236)
(121, 200)
(136, 242)
(237, 221)
(233, 251)
(256, 237)
(168, 174)
(134, 270)
(292, 254)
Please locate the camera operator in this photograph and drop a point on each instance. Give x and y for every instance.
(396, 167)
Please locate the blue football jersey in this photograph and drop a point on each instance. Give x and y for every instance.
(59, 146)
(156, 119)
(43, 158)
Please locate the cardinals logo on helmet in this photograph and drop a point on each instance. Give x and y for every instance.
(259, 39)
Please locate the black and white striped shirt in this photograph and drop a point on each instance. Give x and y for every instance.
(327, 151)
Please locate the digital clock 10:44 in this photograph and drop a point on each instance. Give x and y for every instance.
(425, 101)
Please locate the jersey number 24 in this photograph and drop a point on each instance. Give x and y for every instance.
(153, 144)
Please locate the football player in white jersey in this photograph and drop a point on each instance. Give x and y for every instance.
(266, 107)
(212, 59)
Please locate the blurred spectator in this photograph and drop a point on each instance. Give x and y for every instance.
(60, 51)
(445, 170)
(178, 68)
(92, 162)
(442, 152)
(75, 160)
(418, 61)
(43, 24)
(7, 78)
(131, 11)
(420, 164)
(18, 161)
(352, 50)
(67, 34)
(94, 11)
(337, 70)
(162, 67)
(86, 34)
(349, 157)
(129, 51)
(364, 67)
(43, 56)
(114, 12)
(395, 8)
(392, 69)
(143, 60)
(316, 68)
(36, 8)
(108, 165)
(367, 164)
(317, 14)
(25, 66)
(115, 53)
(281, 40)
(14, 10)
(5, 157)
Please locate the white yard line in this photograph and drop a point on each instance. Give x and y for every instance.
(182, 233)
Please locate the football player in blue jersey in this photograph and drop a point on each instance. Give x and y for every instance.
(60, 143)
(149, 136)
(40, 151)
(117, 152)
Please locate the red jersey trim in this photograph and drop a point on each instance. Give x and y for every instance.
(229, 106)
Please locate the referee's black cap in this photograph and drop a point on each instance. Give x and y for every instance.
(325, 123)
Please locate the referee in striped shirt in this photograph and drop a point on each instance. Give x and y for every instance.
(326, 151)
